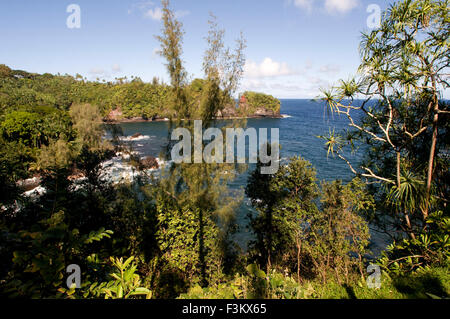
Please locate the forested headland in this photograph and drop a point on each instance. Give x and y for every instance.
(122, 99)
(172, 236)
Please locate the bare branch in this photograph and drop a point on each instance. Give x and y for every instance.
(372, 175)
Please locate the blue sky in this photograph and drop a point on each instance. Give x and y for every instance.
(294, 46)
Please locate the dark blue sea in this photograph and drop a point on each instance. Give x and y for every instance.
(303, 122)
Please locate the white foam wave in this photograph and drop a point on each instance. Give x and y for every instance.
(135, 139)
(116, 170)
(36, 192)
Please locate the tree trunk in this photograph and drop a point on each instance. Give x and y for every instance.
(433, 144)
(299, 247)
(407, 220)
(431, 160)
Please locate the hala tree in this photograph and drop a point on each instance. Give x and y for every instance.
(402, 118)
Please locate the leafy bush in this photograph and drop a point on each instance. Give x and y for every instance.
(126, 283)
(253, 284)
(430, 248)
(41, 254)
(22, 127)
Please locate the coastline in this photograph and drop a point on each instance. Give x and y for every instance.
(142, 120)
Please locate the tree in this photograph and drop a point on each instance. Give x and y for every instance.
(23, 127)
(223, 70)
(293, 234)
(283, 202)
(5, 71)
(57, 155)
(172, 49)
(339, 230)
(254, 100)
(87, 121)
(404, 119)
(199, 190)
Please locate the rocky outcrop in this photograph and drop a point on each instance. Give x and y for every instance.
(114, 116)
(256, 112)
(137, 135)
(29, 184)
(149, 162)
(263, 112)
(245, 111)
(76, 175)
(229, 111)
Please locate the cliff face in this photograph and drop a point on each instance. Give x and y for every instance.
(230, 111)
(258, 105)
(263, 112)
(115, 116)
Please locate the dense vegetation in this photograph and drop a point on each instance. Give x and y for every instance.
(20, 90)
(131, 98)
(171, 237)
(256, 100)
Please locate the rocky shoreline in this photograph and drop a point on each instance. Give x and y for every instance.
(228, 113)
(142, 120)
(119, 168)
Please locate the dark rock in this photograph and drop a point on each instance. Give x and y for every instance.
(263, 112)
(137, 135)
(149, 162)
(29, 184)
(229, 111)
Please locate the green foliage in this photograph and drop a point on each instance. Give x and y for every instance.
(22, 91)
(410, 194)
(139, 99)
(5, 71)
(253, 284)
(283, 201)
(42, 253)
(87, 121)
(293, 234)
(430, 248)
(194, 209)
(425, 283)
(402, 127)
(126, 283)
(22, 127)
(16, 157)
(172, 49)
(256, 100)
(57, 155)
(223, 70)
(196, 255)
(428, 283)
(26, 132)
(339, 229)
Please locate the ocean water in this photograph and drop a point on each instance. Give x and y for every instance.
(303, 122)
